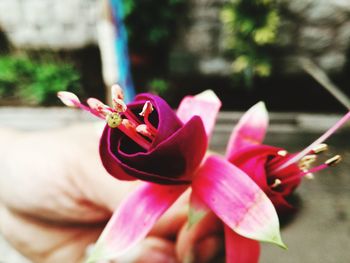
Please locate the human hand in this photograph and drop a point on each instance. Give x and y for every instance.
(55, 198)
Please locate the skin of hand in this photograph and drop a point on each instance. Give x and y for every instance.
(55, 198)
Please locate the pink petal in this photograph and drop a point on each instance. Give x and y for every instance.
(134, 218)
(237, 200)
(251, 129)
(206, 105)
(68, 98)
(240, 249)
(198, 210)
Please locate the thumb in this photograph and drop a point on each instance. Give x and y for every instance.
(202, 242)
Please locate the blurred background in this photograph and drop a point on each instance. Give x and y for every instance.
(245, 50)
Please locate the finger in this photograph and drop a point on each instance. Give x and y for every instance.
(150, 250)
(202, 242)
(70, 182)
(42, 242)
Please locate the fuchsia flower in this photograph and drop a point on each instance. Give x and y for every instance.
(276, 171)
(167, 151)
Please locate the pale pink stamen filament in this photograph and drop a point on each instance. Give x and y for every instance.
(146, 111)
(321, 139)
(304, 173)
(86, 108)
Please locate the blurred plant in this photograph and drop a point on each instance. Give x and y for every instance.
(151, 24)
(158, 86)
(36, 81)
(250, 27)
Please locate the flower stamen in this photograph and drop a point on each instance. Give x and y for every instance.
(276, 183)
(309, 173)
(146, 111)
(319, 148)
(129, 129)
(144, 130)
(334, 160)
(306, 161)
(282, 153)
(99, 107)
(119, 116)
(117, 92)
(321, 139)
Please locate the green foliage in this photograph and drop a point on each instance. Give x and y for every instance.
(36, 81)
(151, 23)
(250, 27)
(158, 86)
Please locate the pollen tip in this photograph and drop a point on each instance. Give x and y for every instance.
(147, 108)
(68, 98)
(309, 176)
(119, 105)
(320, 148)
(276, 183)
(282, 153)
(117, 92)
(143, 129)
(334, 160)
(309, 158)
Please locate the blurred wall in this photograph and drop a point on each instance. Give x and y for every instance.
(316, 28)
(319, 29)
(63, 24)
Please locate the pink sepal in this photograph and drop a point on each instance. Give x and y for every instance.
(206, 105)
(134, 218)
(251, 129)
(237, 200)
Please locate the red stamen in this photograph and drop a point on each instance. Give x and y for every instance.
(129, 130)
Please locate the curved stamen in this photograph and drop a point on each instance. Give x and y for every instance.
(330, 162)
(146, 111)
(113, 118)
(129, 129)
(71, 100)
(325, 136)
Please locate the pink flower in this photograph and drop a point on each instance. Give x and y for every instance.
(274, 170)
(227, 190)
(277, 172)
